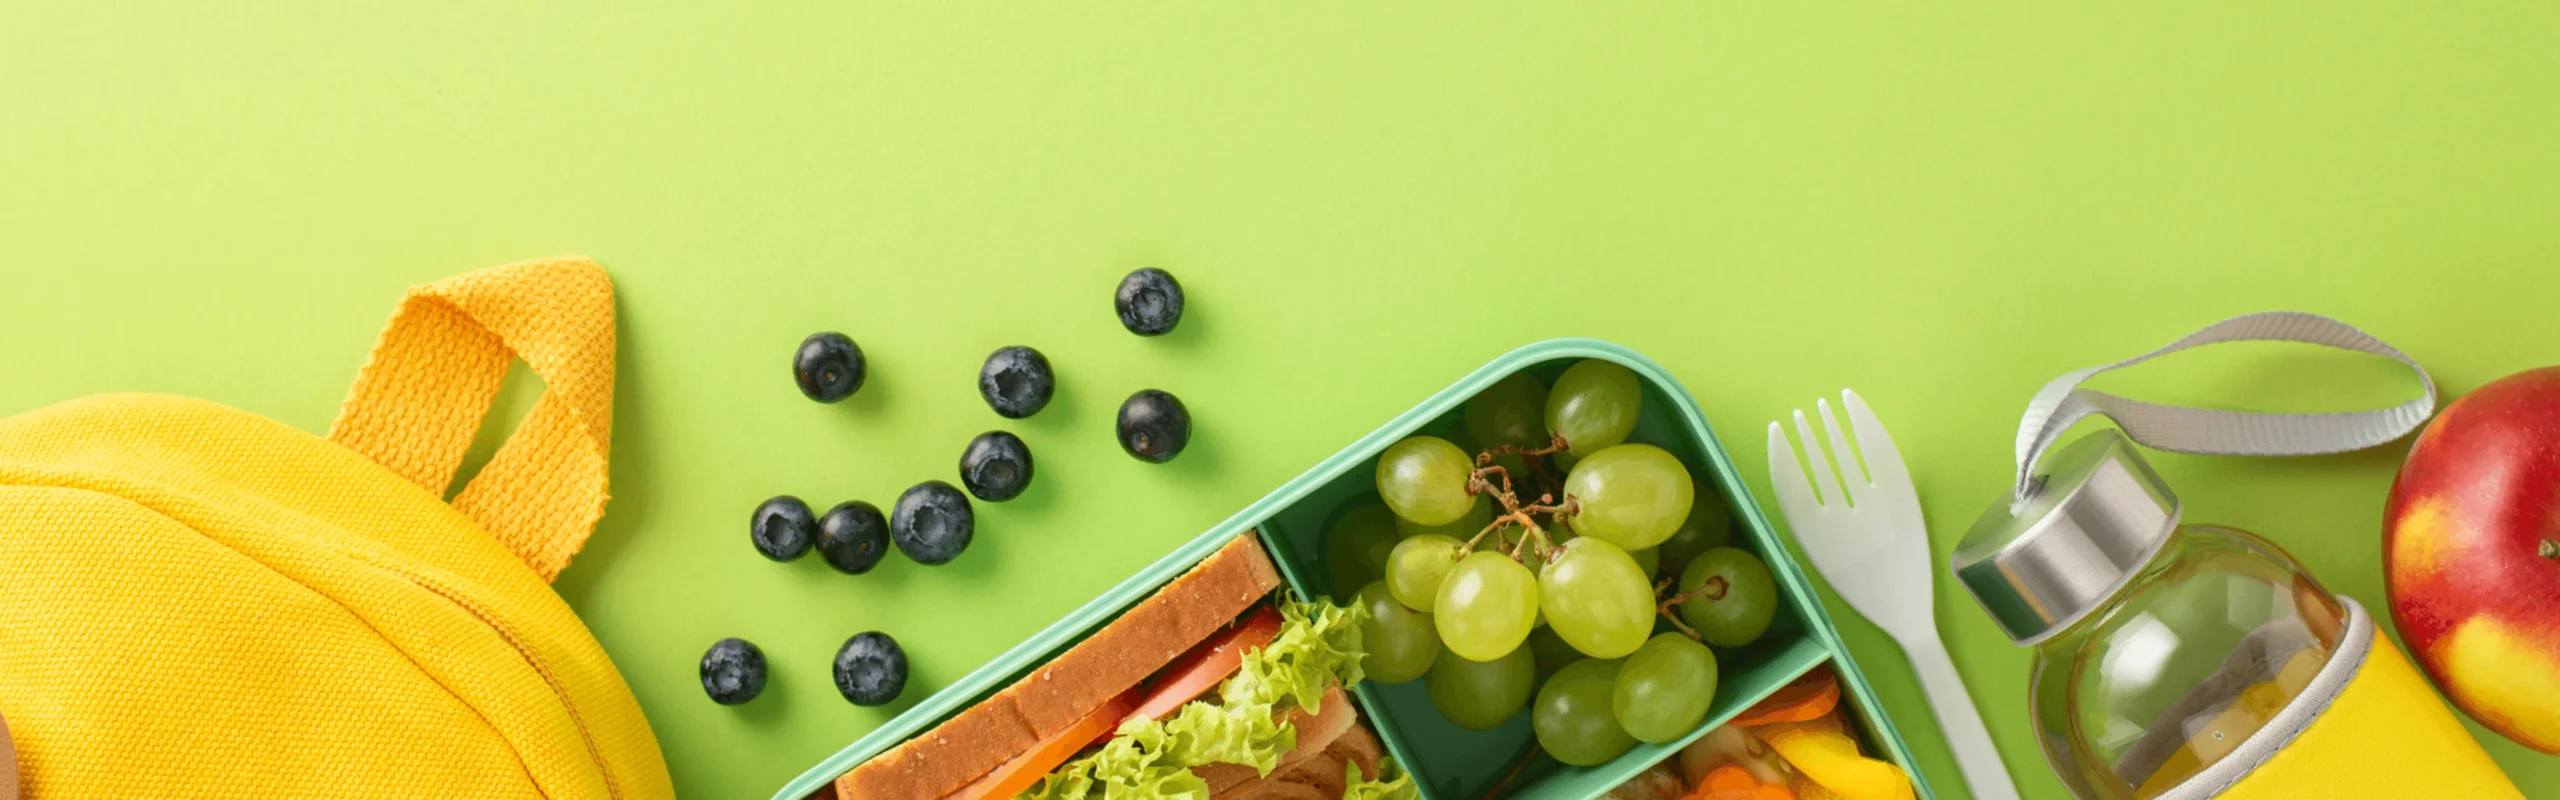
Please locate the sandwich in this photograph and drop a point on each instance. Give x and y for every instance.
(1220, 686)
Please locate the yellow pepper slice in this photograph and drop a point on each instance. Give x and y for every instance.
(1827, 756)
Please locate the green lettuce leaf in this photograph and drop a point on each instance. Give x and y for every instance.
(1318, 645)
(1396, 785)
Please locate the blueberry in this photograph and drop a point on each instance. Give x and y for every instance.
(1016, 381)
(852, 537)
(932, 523)
(871, 669)
(1150, 302)
(829, 367)
(996, 467)
(733, 672)
(783, 527)
(1154, 426)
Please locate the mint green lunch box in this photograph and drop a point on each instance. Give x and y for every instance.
(1449, 762)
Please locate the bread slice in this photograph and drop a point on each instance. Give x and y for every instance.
(1323, 772)
(1148, 637)
(1145, 638)
(1334, 716)
(945, 758)
(1358, 746)
(1326, 773)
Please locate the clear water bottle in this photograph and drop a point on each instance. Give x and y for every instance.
(2178, 660)
(2161, 647)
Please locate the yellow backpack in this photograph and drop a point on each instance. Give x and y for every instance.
(196, 601)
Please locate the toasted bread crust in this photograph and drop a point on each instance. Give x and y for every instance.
(945, 758)
(1145, 638)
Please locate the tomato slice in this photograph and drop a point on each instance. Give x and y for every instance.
(1025, 771)
(1190, 676)
(1208, 663)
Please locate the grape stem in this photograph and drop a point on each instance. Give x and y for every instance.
(1483, 481)
(1522, 763)
(1713, 589)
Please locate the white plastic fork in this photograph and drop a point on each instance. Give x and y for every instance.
(1872, 545)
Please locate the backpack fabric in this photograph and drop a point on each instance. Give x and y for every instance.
(196, 601)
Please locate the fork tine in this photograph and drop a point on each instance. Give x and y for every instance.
(1822, 481)
(1854, 482)
(1786, 477)
(1884, 460)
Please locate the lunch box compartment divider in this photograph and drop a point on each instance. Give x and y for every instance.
(1448, 762)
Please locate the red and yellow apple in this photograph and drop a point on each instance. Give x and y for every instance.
(2471, 549)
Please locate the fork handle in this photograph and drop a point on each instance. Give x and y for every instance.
(1983, 771)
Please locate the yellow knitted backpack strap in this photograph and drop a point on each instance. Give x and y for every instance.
(436, 370)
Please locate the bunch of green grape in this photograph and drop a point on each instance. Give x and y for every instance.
(1575, 600)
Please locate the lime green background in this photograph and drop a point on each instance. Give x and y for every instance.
(1939, 204)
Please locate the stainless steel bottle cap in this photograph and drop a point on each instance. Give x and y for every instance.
(2096, 514)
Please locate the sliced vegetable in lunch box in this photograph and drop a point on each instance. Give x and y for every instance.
(1801, 743)
(1564, 514)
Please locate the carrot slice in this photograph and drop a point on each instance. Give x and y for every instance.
(1025, 771)
(1803, 699)
(1732, 782)
(1207, 664)
(1729, 778)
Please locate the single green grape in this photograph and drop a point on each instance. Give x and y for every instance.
(1416, 567)
(1663, 689)
(1356, 547)
(1424, 478)
(1649, 560)
(1739, 599)
(1513, 412)
(1486, 607)
(1597, 598)
(1572, 718)
(1463, 528)
(1481, 695)
(1550, 650)
(1594, 405)
(1634, 495)
(1709, 526)
(1401, 642)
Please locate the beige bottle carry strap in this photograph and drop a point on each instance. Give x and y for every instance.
(2218, 432)
(434, 373)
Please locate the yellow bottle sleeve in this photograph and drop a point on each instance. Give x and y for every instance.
(2385, 735)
